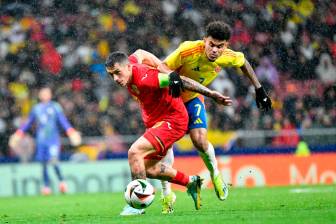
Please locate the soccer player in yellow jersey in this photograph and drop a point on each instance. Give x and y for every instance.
(201, 61)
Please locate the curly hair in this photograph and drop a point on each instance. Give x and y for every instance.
(218, 30)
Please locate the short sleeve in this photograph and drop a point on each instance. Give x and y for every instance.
(231, 58)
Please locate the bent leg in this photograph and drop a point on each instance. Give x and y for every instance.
(136, 154)
(207, 153)
(158, 170)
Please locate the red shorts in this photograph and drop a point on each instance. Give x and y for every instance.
(163, 135)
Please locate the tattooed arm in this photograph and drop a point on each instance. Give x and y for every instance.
(194, 86)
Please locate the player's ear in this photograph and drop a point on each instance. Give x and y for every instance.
(129, 66)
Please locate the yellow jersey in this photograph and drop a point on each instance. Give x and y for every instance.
(189, 60)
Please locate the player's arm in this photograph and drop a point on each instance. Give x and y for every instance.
(19, 133)
(189, 84)
(232, 58)
(171, 63)
(194, 86)
(262, 99)
(248, 71)
(73, 134)
(147, 58)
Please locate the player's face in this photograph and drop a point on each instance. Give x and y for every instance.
(121, 73)
(214, 48)
(45, 94)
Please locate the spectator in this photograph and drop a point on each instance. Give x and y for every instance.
(325, 70)
(267, 72)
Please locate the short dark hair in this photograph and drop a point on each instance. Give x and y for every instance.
(115, 57)
(218, 30)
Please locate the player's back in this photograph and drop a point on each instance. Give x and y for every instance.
(156, 103)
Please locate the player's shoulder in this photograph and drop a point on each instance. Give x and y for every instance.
(56, 105)
(229, 52)
(138, 71)
(231, 58)
(191, 47)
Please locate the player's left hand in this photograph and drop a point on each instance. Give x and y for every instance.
(262, 99)
(221, 99)
(75, 138)
(175, 84)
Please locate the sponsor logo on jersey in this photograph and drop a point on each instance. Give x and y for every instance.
(198, 121)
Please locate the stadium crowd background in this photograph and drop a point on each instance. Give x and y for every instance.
(290, 44)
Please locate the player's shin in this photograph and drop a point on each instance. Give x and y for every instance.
(210, 160)
(168, 160)
(45, 174)
(58, 172)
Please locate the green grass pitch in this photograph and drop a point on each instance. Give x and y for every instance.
(310, 204)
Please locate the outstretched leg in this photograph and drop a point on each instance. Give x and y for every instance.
(207, 153)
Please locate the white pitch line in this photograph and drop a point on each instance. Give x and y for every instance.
(312, 190)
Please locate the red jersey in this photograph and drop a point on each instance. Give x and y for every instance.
(155, 102)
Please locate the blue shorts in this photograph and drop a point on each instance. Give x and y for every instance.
(46, 151)
(197, 113)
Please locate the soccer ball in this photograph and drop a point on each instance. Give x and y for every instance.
(139, 194)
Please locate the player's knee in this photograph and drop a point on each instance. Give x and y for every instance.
(151, 172)
(132, 153)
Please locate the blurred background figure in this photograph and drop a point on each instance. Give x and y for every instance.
(47, 115)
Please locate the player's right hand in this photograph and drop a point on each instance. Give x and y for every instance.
(175, 84)
(221, 99)
(15, 138)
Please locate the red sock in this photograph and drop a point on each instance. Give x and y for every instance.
(180, 179)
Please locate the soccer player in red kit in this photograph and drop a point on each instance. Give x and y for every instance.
(164, 115)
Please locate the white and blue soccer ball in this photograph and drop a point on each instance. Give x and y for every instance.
(139, 194)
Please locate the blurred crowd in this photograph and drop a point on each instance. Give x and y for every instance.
(63, 44)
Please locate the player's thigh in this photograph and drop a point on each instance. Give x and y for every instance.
(141, 147)
(197, 113)
(42, 153)
(54, 152)
(163, 135)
